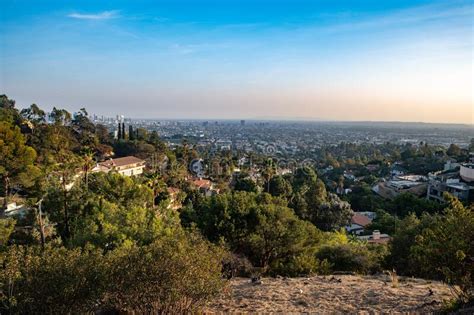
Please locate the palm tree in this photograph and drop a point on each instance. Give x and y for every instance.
(88, 163)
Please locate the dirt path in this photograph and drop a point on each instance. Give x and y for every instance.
(332, 294)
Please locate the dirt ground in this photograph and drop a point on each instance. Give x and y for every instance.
(331, 294)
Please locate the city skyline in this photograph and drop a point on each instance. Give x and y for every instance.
(344, 61)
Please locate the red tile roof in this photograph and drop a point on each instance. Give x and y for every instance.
(360, 219)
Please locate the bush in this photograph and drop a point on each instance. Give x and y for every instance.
(354, 257)
(445, 248)
(172, 275)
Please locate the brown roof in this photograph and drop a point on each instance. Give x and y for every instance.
(123, 161)
(360, 219)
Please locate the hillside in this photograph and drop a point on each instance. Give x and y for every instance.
(322, 294)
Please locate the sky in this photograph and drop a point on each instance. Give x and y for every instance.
(313, 60)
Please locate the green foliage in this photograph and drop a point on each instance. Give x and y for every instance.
(280, 238)
(258, 226)
(115, 210)
(6, 229)
(453, 150)
(354, 257)
(312, 202)
(280, 187)
(332, 214)
(385, 222)
(403, 239)
(8, 113)
(406, 203)
(174, 274)
(445, 248)
(245, 184)
(16, 159)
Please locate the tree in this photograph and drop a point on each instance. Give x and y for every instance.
(446, 248)
(332, 214)
(260, 227)
(131, 134)
(16, 159)
(87, 165)
(119, 132)
(280, 236)
(61, 117)
(84, 129)
(268, 172)
(403, 239)
(244, 183)
(6, 229)
(8, 112)
(453, 150)
(34, 114)
(280, 187)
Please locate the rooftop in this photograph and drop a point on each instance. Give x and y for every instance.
(123, 161)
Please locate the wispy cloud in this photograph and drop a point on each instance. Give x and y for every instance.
(105, 15)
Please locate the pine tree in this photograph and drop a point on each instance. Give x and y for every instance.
(123, 131)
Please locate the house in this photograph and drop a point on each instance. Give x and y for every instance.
(205, 186)
(127, 166)
(414, 184)
(375, 238)
(467, 172)
(456, 181)
(358, 223)
(397, 170)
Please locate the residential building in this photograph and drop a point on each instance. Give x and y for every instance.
(375, 238)
(358, 223)
(458, 182)
(205, 186)
(414, 184)
(466, 172)
(127, 166)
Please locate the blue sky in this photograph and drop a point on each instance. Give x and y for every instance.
(332, 60)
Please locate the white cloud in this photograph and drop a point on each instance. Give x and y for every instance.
(105, 15)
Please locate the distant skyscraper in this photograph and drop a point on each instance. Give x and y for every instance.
(242, 122)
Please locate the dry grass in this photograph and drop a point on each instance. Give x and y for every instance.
(332, 294)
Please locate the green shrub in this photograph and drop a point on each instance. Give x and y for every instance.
(354, 257)
(172, 275)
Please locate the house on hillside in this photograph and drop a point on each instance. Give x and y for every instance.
(358, 223)
(375, 238)
(127, 166)
(415, 184)
(205, 186)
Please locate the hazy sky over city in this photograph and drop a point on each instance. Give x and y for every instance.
(330, 60)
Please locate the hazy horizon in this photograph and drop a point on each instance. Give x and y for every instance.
(390, 61)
